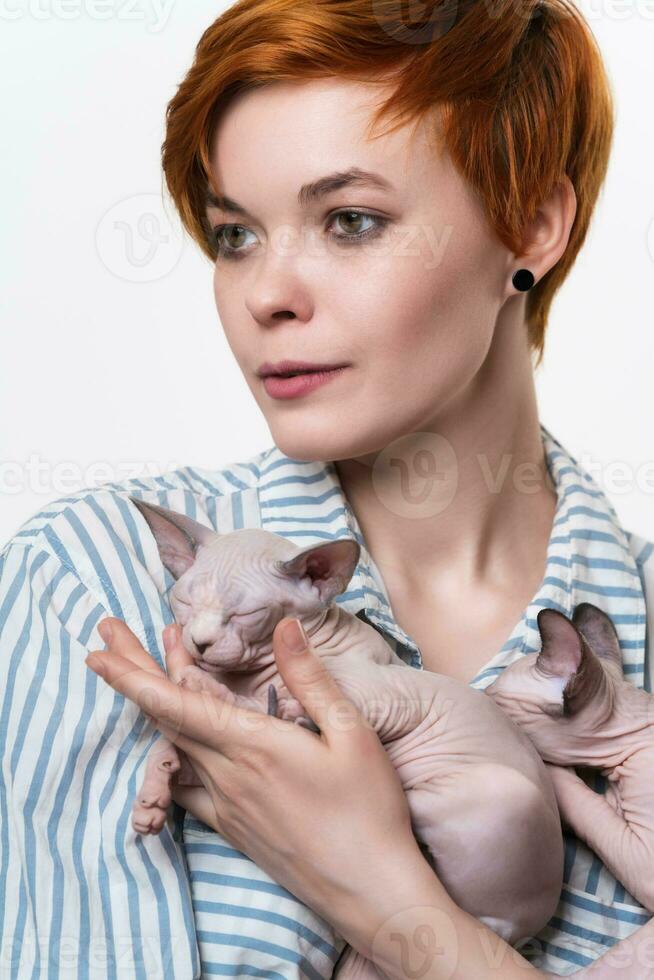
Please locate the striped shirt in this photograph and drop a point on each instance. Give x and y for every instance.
(82, 895)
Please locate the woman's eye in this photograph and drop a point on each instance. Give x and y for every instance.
(228, 239)
(353, 222)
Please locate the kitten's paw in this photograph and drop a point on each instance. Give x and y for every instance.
(290, 709)
(148, 818)
(195, 679)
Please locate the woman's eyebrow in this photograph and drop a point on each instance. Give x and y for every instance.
(309, 193)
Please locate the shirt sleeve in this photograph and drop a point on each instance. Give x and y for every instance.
(81, 893)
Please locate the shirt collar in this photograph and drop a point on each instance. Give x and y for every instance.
(588, 555)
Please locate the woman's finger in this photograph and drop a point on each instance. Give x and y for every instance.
(177, 656)
(199, 715)
(122, 642)
(308, 680)
(120, 639)
(197, 801)
(158, 698)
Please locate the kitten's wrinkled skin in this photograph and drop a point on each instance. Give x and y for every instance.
(573, 702)
(481, 801)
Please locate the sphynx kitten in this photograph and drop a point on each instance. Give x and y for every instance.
(481, 801)
(574, 703)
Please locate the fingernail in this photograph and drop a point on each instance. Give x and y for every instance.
(295, 637)
(105, 631)
(95, 664)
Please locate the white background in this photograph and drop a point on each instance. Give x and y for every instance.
(137, 376)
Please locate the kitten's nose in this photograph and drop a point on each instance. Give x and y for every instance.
(200, 644)
(204, 629)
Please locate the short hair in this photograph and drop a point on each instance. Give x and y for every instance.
(523, 95)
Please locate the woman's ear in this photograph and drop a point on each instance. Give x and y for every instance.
(546, 237)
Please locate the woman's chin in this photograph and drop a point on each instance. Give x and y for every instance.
(330, 440)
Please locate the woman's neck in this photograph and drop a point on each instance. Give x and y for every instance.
(468, 499)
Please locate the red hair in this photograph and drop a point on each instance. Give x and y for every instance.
(522, 91)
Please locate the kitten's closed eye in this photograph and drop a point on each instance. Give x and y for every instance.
(249, 617)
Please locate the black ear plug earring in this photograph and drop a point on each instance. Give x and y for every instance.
(523, 280)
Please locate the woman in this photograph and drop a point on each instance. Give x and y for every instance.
(425, 445)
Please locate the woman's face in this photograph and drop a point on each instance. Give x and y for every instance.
(411, 306)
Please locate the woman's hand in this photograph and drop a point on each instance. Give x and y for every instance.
(316, 812)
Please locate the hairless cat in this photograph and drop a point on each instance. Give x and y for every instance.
(574, 703)
(482, 803)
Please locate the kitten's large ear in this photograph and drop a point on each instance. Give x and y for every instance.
(599, 631)
(567, 655)
(561, 650)
(177, 535)
(330, 566)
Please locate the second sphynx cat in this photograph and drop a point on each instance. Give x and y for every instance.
(481, 800)
(574, 703)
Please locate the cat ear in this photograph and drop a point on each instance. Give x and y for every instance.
(565, 654)
(561, 650)
(598, 630)
(330, 566)
(178, 536)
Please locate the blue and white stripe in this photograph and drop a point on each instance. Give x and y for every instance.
(81, 894)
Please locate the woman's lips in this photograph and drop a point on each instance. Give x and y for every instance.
(299, 384)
